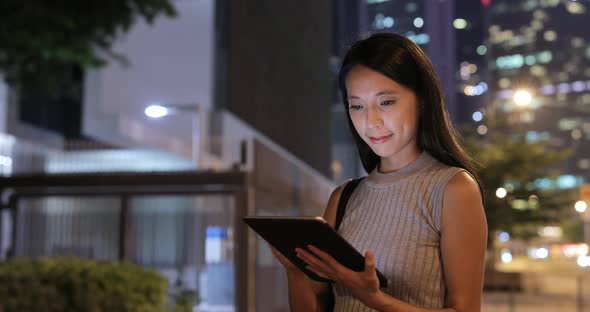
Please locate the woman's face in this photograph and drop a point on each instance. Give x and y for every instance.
(384, 114)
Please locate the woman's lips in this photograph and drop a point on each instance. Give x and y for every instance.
(379, 140)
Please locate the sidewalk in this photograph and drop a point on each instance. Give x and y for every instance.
(502, 302)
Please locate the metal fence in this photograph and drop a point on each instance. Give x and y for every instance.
(186, 225)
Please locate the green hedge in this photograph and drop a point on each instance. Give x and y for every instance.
(69, 284)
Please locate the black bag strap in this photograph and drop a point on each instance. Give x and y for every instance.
(343, 201)
(340, 210)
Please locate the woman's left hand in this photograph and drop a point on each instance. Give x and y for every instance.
(364, 285)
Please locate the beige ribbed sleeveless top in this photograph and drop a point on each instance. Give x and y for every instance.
(398, 215)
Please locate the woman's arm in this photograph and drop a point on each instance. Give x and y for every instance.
(463, 244)
(304, 293)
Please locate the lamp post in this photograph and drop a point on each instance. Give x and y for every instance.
(158, 110)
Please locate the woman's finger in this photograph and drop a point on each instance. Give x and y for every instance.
(308, 257)
(318, 272)
(327, 258)
(370, 262)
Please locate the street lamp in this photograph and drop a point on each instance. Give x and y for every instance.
(158, 110)
(523, 97)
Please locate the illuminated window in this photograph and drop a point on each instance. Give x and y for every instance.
(578, 86)
(388, 22)
(504, 83)
(420, 38)
(532, 136)
(563, 87)
(550, 35)
(378, 22)
(548, 89)
(550, 3)
(575, 8)
(510, 61)
(576, 134)
(568, 181)
(539, 14)
(538, 70)
(544, 57)
(543, 183)
(567, 124)
(536, 25)
(411, 7)
(460, 23)
(530, 5)
(577, 42)
(530, 60)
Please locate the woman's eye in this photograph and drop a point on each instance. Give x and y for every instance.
(387, 102)
(355, 107)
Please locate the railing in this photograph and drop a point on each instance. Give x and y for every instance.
(186, 225)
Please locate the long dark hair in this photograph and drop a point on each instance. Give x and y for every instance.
(400, 59)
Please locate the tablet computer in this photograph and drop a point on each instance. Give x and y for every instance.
(287, 233)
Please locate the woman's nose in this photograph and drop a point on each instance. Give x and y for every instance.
(373, 118)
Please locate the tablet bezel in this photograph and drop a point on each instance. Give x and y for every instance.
(278, 232)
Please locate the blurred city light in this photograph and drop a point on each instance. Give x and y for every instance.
(482, 129)
(551, 232)
(506, 256)
(5, 161)
(574, 250)
(419, 38)
(460, 23)
(482, 50)
(523, 97)
(477, 116)
(550, 35)
(479, 89)
(519, 204)
(533, 201)
(575, 8)
(576, 134)
(542, 253)
(418, 22)
(538, 252)
(583, 261)
(504, 237)
(581, 206)
(388, 22)
(156, 111)
(501, 192)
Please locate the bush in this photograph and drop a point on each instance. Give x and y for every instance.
(68, 284)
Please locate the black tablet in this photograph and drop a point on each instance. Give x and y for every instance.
(287, 233)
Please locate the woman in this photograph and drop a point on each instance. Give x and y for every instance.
(418, 216)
